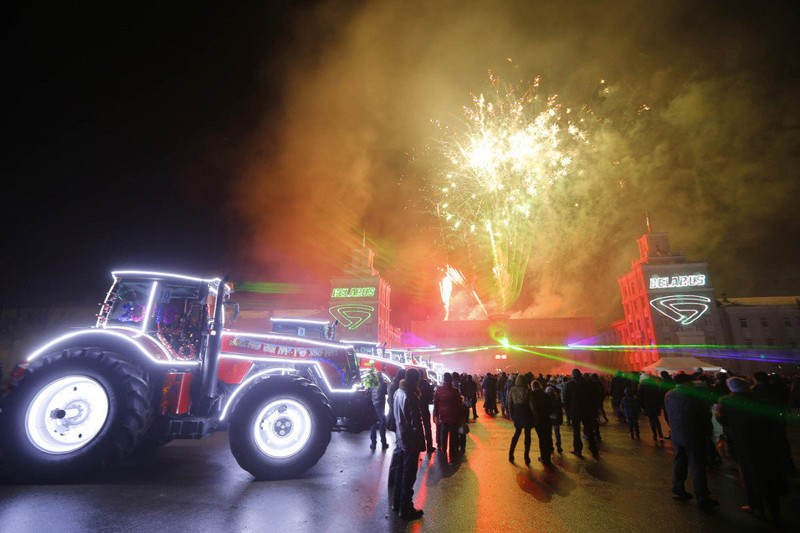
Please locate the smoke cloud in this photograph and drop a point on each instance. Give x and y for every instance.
(696, 122)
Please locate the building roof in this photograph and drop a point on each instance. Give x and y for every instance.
(760, 300)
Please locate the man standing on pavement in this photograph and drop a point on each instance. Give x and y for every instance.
(448, 412)
(687, 419)
(618, 384)
(542, 407)
(410, 442)
(426, 399)
(391, 424)
(579, 401)
(749, 423)
(501, 387)
(469, 390)
(378, 388)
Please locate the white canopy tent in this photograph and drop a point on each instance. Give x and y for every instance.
(681, 362)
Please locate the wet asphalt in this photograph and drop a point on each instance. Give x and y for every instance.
(198, 486)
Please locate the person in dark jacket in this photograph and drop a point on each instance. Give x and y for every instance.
(378, 388)
(579, 401)
(510, 382)
(630, 409)
(557, 417)
(448, 412)
(618, 385)
(542, 408)
(720, 387)
(426, 399)
(501, 386)
(748, 423)
(688, 419)
(520, 406)
(390, 421)
(650, 399)
(599, 396)
(457, 381)
(469, 389)
(490, 394)
(410, 442)
(772, 392)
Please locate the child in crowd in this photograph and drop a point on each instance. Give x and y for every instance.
(630, 409)
(558, 413)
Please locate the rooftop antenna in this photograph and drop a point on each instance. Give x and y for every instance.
(647, 218)
(364, 237)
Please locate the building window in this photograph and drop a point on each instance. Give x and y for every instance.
(743, 322)
(765, 322)
(748, 343)
(793, 344)
(787, 322)
(770, 342)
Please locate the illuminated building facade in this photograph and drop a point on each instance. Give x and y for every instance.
(360, 302)
(669, 304)
(667, 300)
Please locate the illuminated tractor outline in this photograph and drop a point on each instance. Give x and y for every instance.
(160, 365)
(389, 361)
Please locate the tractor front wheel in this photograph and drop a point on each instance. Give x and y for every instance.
(280, 428)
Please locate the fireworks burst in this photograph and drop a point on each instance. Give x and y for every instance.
(497, 170)
(453, 276)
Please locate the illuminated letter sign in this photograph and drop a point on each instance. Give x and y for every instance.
(695, 280)
(353, 292)
(351, 316)
(682, 308)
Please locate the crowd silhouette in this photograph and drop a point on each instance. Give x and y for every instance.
(753, 412)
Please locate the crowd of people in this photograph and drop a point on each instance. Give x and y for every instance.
(753, 414)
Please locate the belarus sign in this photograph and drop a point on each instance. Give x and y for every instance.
(351, 316)
(674, 282)
(353, 292)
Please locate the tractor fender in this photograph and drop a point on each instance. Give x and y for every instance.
(130, 344)
(274, 375)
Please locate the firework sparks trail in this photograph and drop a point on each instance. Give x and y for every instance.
(497, 171)
(446, 288)
(454, 276)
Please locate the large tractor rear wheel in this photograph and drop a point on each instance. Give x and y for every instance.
(280, 428)
(74, 412)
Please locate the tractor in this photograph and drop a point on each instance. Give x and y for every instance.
(160, 364)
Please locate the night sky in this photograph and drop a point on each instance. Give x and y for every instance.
(260, 139)
(123, 130)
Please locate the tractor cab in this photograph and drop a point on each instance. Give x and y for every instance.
(176, 310)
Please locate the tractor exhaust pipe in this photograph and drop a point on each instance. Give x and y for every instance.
(211, 363)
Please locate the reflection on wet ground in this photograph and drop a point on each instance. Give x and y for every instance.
(197, 485)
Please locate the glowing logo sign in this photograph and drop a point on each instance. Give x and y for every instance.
(682, 308)
(695, 280)
(351, 316)
(353, 292)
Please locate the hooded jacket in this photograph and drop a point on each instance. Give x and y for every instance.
(406, 411)
(541, 406)
(520, 403)
(650, 397)
(579, 398)
(447, 404)
(688, 416)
